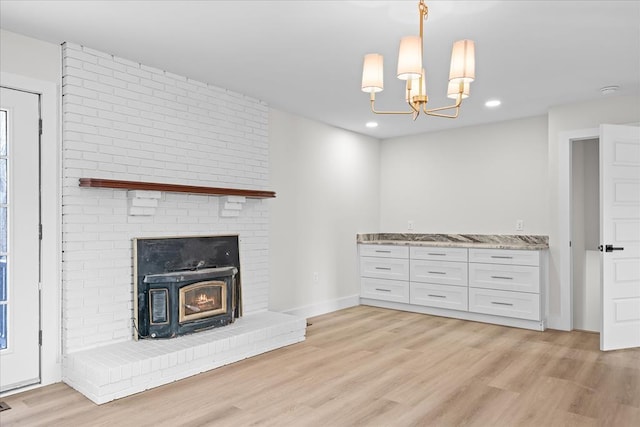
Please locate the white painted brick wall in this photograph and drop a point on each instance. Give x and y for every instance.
(123, 120)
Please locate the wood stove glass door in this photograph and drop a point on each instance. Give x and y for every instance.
(202, 299)
(19, 239)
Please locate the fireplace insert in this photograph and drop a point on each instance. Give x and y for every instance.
(178, 303)
(184, 285)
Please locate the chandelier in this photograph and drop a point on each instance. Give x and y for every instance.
(461, 74)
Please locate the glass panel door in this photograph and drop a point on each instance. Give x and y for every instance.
(3, 229)
(19, 239)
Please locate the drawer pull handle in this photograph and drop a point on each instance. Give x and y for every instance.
(502, 303)
(501, 257)
(383, 268)
(502, 277)
(383, 252)
(437, 254)
(436, 296)
(437, 272)
(383, 290)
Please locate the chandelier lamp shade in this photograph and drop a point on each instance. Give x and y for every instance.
(410, 69)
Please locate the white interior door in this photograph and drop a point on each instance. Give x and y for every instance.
(620, 236)
(19, 239)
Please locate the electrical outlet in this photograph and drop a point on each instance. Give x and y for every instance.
(409, 225)
(316, 277)
(519, 225)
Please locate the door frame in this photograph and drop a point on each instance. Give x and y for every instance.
(51, 300)
(564, 321)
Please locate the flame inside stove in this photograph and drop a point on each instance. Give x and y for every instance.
(205, 301)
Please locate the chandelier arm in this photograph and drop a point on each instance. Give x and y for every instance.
(448, 116)
(373, 109)
(433, 111)
(448, 107)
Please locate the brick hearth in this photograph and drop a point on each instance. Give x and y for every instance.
(118, 370)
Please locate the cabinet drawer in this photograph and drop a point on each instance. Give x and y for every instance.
(384, 251)
(504, 303)
(504, 256)
(521, 278)
(438, 254)
(384, 268)
(443, 296)
(387, 290)
(439, 272)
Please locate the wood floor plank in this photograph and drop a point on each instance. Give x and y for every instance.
(368, 366)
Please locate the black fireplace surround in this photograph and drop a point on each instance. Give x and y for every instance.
(185, 284)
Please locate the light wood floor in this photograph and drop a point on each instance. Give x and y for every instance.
(377, 367)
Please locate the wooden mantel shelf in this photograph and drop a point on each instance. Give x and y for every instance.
(174, 188)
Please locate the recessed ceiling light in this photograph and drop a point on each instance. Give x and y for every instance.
(608, 90)
(492, 103)
(372, 124)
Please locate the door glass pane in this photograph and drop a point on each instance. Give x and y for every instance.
(3, 326)
(3, 230)
(3, 180)
(3, 279)
(3, 133)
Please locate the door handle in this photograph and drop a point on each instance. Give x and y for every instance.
(609, 248)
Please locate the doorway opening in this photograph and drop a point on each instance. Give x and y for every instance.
(585, 234)
(619, 243)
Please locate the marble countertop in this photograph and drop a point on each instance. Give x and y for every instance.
(488, 241)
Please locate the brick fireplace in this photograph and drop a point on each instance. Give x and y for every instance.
(127, 121)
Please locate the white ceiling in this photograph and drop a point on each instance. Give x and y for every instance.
(305, 57)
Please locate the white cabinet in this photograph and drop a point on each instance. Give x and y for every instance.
(505, 283)
(443, 296)
(383, 289)
(384, 272)
(441, 272)
(519, 278)
(504, 256)
(438, 277)
(384, 268)
(438, 254)
(384, 251)
(504, 303)
(503, 286)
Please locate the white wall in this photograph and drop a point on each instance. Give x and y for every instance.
(35, 66)
(562, 119)
(29, 57)
(477, 180)
(326, 180)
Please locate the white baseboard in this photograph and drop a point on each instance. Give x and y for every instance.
(325, 307)
(557, 322)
